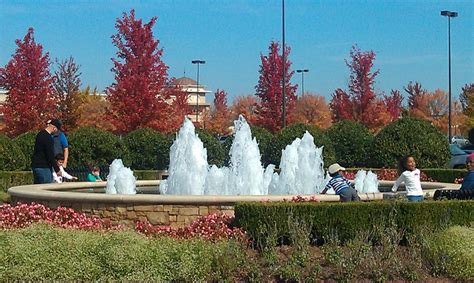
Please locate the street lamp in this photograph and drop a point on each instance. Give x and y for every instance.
(302, 71)
(450, 15)
(198, 62)
(283, 64)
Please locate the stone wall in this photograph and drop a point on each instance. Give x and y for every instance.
(175, 215)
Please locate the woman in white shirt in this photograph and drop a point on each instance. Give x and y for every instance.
(411, 177)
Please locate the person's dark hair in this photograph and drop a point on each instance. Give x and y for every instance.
(95, 168)
(59, 156)
(333, 174)
(402, 164)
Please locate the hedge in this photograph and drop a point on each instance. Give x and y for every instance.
(26, 142)
(346, 220)
(10, 179)
(352, 142)
(148, 149)
(11, 155)
(92, 146)
(410, 136)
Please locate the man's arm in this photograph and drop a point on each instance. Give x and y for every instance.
(65, 146)
(66, 155)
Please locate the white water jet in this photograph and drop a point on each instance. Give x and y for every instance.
(189, 173)
(188, 164)
(366, 182)
(120, 179)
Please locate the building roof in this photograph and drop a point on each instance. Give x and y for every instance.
(184, 81)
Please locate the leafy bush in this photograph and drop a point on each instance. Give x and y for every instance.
(410, 136)
(148, 149)
(287, 135)
(215, 151)
(92, 146)
(109, 256)
(11, 155)
(352, 142)
(26, 142)
(451, 252)
(10, 179)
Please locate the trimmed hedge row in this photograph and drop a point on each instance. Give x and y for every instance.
(346, 220)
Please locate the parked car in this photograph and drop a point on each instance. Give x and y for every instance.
(459, 140)
(458, 157)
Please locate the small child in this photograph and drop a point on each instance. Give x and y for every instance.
(94, 176)
(340, 184)
(411, 177)
(59, 179)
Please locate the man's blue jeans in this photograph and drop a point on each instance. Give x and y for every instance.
(42, 175)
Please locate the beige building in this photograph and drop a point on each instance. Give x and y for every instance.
(196, 97)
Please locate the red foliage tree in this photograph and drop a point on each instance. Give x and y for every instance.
(136, 97)
(269, 88)
(361, 103)
(218, 121)
(393, 104)
(30, 101)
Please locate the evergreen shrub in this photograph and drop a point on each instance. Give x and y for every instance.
(451, 252)
(92, 146)
(148, 149)
(410, 136)
(352, 142)
(10, 179)
(215, 151)
(11, 155)
(345, 220)
(26, 142)
(287, 135)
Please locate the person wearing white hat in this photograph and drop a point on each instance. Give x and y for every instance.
(340, 184)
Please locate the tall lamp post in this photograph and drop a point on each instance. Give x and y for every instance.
(450, 15)
(283, 64)
(302, 71)
(198, 62)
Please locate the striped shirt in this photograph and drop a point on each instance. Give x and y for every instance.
(338, 183)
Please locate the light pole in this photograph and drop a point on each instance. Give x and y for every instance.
(198, 62)
(302, 71)
(283, 62)
(450, 15)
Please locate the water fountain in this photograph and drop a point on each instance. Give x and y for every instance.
(120, 179)
(301, 167)
(366, 182)
(195, 189)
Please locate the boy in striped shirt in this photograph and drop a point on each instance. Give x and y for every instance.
(340, 184)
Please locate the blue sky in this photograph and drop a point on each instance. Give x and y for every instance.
(409, 37)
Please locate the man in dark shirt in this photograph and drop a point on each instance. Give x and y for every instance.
(43, 162)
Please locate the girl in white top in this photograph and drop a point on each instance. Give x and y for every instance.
(59, 179)
(411, 177)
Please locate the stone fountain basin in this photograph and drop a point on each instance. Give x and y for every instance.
(173, 210)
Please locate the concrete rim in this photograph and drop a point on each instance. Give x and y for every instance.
(63, 192)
